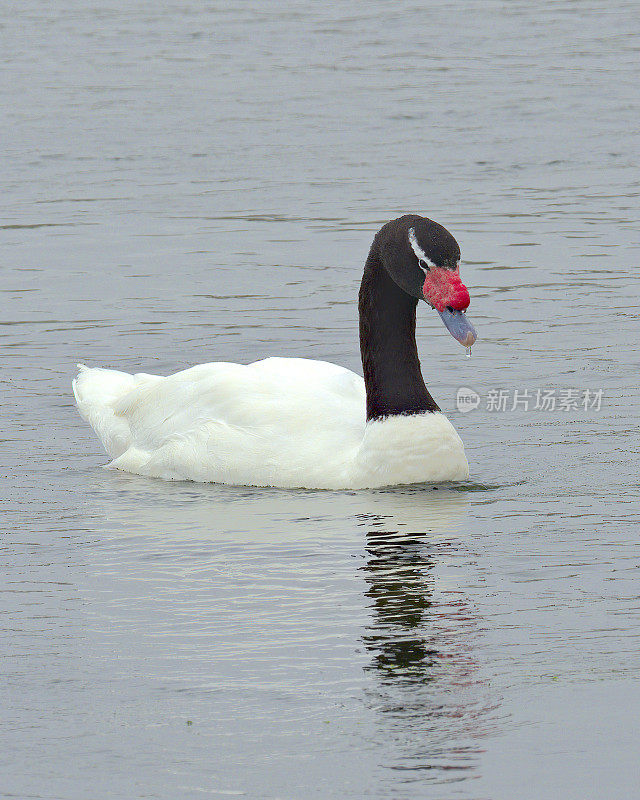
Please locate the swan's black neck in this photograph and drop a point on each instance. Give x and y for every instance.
(390, 363)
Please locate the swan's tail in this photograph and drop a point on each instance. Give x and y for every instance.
(97, 391)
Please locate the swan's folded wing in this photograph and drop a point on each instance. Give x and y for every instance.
(264, 423)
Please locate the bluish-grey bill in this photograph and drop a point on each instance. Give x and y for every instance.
(459, 327)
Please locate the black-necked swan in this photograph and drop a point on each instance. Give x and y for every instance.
(295, 422)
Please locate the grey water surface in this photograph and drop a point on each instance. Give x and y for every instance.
(185, 182)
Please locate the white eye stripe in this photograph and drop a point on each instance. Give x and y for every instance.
(419, 252)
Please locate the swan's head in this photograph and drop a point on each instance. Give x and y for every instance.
(423, 258)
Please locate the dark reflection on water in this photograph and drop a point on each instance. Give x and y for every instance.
(424, 658)
(397, 573)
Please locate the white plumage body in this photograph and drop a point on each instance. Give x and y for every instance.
(282, 422)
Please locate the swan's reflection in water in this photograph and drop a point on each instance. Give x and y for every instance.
(422, 638)
(399, 587)
(265, 606)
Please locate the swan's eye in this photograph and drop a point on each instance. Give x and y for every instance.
(424, 262)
